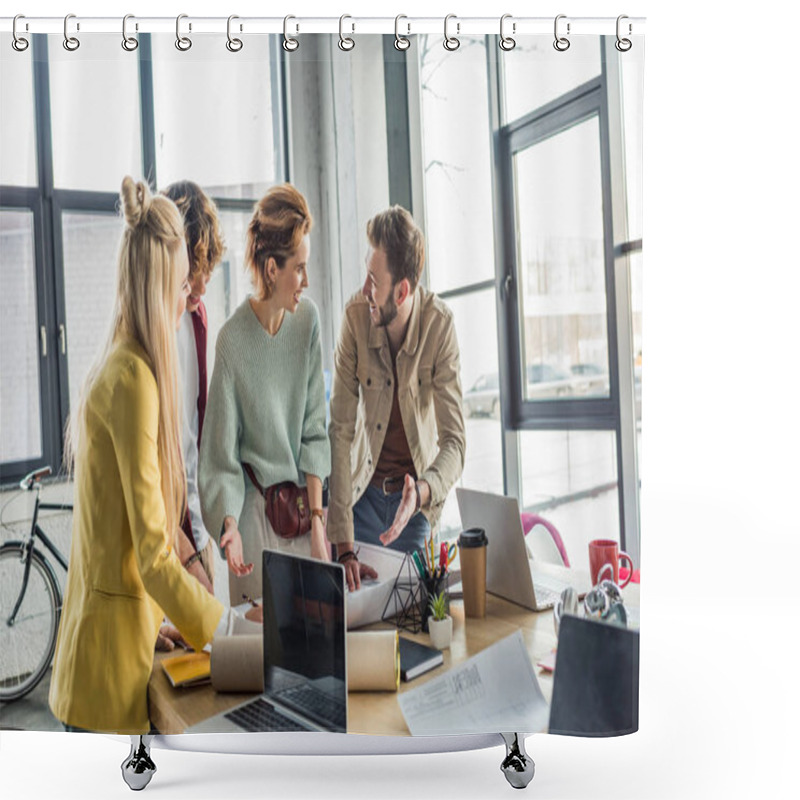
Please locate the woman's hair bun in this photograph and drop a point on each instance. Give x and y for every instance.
(136, 200)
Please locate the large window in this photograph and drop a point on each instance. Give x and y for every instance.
(74, 124)
(516, 173)
(457, 169)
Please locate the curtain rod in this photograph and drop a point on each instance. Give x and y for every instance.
(459, 26)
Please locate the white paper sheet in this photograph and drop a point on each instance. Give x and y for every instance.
(491, 692)
(365, 605)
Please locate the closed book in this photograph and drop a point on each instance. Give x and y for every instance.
(189, 669)
(416, 659)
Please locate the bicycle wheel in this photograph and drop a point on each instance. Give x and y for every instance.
(26, 647)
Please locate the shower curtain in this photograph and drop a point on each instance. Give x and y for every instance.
(518, 157)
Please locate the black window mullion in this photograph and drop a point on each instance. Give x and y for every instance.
(52, 443)
(146, 108)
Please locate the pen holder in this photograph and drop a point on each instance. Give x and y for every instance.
(432, 587)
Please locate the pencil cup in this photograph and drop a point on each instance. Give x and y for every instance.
(432, 587)
(472, 545)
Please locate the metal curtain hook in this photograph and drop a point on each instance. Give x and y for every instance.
(233, 44)
(129, 43)
(623, 45)
(451, 42)
(561, 43)
(19, 43)
(183, 43)
(71, 43)
(401, 42)
(289, 44)
(507, 42)
(345, 42)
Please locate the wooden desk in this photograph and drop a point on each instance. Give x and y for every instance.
(378, 713)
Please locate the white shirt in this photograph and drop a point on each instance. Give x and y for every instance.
(190, 385)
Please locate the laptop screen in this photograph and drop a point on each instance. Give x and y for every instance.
(304, 638)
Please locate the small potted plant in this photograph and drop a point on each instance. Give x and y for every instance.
(440, 624)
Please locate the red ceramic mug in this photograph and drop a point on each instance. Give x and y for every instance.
(604, 552)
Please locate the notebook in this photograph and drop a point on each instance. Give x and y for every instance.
(305, 679)
(417, 659)
(511, 572)
(188, 669)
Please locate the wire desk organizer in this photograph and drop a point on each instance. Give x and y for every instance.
(408, 604)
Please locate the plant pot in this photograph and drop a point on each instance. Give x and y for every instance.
(441, 631)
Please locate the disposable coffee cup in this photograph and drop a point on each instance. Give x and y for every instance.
(472, 545)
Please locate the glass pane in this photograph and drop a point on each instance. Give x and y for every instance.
(18, 153)
(94, 99)
(535, 72)
(213, 115)
(456, 157)
(229, 283)
(91, 243)
(561, 265)
(570, 479)
(476, 327)
(632, 93)
(20, 409)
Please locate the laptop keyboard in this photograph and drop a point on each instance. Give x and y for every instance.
(261, 716)
(316, 703)
(548, 589)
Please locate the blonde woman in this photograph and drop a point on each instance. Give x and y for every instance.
(124, 437)
(265, 419)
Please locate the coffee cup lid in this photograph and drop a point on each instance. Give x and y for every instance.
(473, 537)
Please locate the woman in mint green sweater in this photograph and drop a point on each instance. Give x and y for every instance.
(266, 401)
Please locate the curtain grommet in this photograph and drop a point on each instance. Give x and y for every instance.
(561, 43)
(129, 43)
(507, 42)
(183, 43)
(401, 43)
(289, 43)
(346, 43)
(71, 43)
(234, 45)
(623, 44)
(19, 43)
(451, 43)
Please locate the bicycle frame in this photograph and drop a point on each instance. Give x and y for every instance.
(28, 547)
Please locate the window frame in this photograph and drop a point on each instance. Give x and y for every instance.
(591, 413)
(49, 204)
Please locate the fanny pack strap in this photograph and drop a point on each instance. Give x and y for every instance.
(252, 475)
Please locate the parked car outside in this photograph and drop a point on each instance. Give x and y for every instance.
(483, 398)
(546, 381)
(589, 379)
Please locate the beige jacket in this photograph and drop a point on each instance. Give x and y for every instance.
(361, 402)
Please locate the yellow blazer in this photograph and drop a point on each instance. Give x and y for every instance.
(123, 574)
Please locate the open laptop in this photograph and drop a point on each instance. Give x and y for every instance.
(305, 680)
(511, 572)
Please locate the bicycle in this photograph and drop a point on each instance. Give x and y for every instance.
(30, 602)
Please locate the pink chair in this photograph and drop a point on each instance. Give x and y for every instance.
(530, 520)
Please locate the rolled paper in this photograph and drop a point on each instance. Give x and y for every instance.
(373, 661)
(237, 664)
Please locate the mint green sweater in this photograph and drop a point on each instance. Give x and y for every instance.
(266, 407)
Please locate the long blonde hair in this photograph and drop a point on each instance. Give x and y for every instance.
(148, 287)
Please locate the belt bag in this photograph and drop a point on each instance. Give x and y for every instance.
(286, 506)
